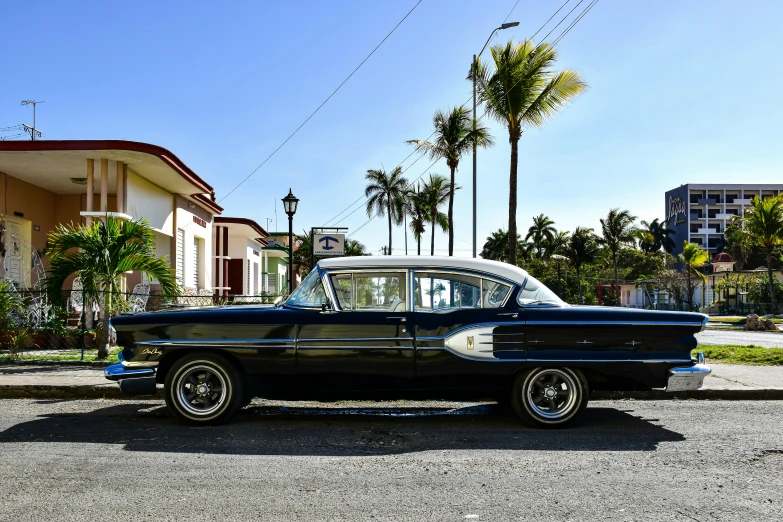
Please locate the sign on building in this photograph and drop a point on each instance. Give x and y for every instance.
(329, 244)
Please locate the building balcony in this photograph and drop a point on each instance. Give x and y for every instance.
(707, 202)
(742, 201)
(724, 216)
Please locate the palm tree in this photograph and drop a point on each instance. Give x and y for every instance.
(617, 230)
(541, 232)
(496, 246)
(99, 254)
(762, 225)
(556, 244)
(386, 196)
(693, 256)
(416, 210)
(523, 90)
(455, 134)
(655, 236)
(581, 249)
(434, 194)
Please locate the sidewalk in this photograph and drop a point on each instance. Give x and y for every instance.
(728, 381)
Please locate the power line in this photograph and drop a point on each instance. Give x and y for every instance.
(550, 19)
(362, 196)
(560, 37)
(509, 13)
(322, 103)
(409, 155)
(562, 20)
(576, 21)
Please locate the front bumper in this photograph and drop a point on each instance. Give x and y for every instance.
(132, 381)
(684, 378)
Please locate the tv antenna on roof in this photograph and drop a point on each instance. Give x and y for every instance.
(33, 131)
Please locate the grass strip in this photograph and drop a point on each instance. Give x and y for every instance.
(736, 354)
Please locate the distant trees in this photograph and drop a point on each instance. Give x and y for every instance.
(386, 195)
(693, 256)
(617, 230)
(581, 249)
(434, 194)
(762, 226)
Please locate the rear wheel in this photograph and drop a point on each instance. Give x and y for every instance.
(550, 397)
(203, 388)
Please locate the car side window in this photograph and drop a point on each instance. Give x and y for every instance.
(443, 292)
(494, 294)
(370, 291)
(343, 290)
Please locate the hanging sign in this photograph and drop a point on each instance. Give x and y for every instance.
(329, 244)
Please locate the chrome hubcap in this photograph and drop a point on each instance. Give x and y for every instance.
(202, 389)
(551, 394)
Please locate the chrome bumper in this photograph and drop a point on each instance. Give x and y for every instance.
(684, 378)
(132, 381)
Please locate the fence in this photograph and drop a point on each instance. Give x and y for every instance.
(34, 327)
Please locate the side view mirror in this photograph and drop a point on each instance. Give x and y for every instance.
(278, 300)
(326, 308)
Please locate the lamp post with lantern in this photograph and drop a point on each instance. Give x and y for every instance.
(290, 203)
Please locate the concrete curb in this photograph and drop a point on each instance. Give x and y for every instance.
(113, 392)
(11, 391)
(750, 394)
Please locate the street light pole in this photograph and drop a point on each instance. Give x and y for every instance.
(290, 203)
(473, 75)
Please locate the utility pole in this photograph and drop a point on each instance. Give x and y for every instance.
(32, 130)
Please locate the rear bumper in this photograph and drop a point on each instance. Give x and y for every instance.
(684, 378)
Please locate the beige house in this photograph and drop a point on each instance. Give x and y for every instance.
(240, 259)
(47, 183)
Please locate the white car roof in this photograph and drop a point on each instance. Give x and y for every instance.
(497, 268)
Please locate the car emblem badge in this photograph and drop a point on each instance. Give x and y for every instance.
(470, 342)
(151, 351)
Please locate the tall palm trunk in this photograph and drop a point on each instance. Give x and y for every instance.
(388, 213)
(418, 246)
(512, 199)
(579, 283)
(432, 241)
(771, 283)
(451, 213)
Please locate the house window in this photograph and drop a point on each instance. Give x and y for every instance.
(180, 257)
(196, 257)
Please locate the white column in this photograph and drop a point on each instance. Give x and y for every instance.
(90, 187)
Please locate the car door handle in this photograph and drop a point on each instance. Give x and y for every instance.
(397, 318)
(513, 315)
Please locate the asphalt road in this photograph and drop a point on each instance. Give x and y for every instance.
(668, 460)
(764, 339)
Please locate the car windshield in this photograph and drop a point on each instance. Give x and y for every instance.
(533, 292)
(309, 294)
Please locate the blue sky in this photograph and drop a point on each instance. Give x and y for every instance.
(679, 92)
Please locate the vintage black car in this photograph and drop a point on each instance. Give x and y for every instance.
(407, 327)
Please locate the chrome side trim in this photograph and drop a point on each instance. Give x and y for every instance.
(234, 342)
(349, 339)
(502, 342)
(353, 347)
(618, 323)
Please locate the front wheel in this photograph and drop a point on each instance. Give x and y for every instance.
(203, 389)
(550, 397)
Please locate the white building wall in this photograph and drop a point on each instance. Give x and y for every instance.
(147, 200)
(200, 229)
